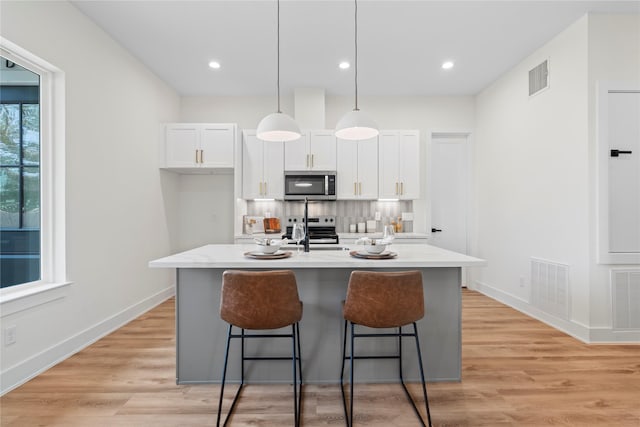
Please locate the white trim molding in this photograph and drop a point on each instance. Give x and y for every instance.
(22, 372)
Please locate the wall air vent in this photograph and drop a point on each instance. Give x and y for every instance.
(625, 295)
(550, 287)
(539, 78)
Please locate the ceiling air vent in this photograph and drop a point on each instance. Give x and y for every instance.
(539, 78)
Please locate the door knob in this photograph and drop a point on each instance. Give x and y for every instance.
(435, 230)
(616, 153)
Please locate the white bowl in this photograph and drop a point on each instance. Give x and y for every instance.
(375, 248)
(267, 249)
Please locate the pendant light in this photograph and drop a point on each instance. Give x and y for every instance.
(278, 126)
(356, 125)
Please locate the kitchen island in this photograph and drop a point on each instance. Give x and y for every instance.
(322, 277)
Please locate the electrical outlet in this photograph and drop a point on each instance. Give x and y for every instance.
(377, 216)
(10, 335)
(522, 281)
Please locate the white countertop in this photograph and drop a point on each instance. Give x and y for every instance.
(232, 256)
(377, 234)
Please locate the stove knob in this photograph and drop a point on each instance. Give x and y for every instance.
(326, 220)
(331, 220)
(294, 219)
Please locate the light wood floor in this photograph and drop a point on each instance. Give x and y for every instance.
(516, 372)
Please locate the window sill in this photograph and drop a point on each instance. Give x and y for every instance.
(29, 296)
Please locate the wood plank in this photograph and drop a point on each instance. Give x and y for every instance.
(516, 372)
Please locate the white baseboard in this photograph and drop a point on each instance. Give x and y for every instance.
(21, 373)
(576, 330)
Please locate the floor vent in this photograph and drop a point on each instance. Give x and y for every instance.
(625, 295)
(550, 287)
(539, 78)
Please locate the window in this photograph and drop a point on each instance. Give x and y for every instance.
(19, 174)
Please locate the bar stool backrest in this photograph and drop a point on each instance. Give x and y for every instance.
(260, 299)
(384, 299)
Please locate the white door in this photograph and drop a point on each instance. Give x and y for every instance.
(624, 172)
(323, 150)
(252, 167)
(368, 169)
(182, 141)
(409, 165)
(449, 192)
(347, 169)
(217, 144)
(296, 154)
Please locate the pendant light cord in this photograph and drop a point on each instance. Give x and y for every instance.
(356, 51)
(278, 82)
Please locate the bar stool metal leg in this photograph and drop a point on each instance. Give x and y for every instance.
(348, 414)
(424, 387)
(344, 349)
(224, 377)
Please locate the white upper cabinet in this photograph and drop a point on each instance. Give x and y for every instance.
(262, 168)
(399, 164)
(357, 169)
(198, 145)
(314, 150)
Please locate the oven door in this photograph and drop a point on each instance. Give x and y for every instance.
(315, 186)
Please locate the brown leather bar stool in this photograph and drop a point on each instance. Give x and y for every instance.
(383, 300)
(260, 300)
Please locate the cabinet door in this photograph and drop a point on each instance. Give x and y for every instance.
(368, 168)
(273, 166)
(252, 166)
(347, 169)
(181, 143)
(322, 148)
(296, 154)
(388, 170)
(409, 165)
(216, 143)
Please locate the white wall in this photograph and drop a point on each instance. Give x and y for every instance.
(614, 56)
(120, 208)
(536, 170)
(532, 173)
(428, 114)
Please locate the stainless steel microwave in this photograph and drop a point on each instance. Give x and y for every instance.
(314, 185)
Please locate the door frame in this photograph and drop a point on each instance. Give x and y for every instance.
(470, 217)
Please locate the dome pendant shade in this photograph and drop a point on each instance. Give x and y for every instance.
(278, 127)
(356, 125)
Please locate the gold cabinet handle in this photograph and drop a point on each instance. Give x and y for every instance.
(355, 188)
(197, 158)
(396, 188)
(312, 160)
(201, 156)
(265, 189)
(360, 188)
(307, 160)
(260, 188)
(402, 188)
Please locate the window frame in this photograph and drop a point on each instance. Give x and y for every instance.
(52, 175)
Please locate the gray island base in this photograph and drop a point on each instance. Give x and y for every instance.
(322, 278)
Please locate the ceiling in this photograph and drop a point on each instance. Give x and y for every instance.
(401, 44)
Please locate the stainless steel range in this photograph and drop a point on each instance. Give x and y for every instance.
(321, 229)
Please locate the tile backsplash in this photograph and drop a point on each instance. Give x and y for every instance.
(346, 211)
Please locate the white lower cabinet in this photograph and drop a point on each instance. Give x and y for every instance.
(262, 168)
(357, 169)
(198, 146)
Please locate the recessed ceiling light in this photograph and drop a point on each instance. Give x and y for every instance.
(344, 65)
(447, 65)
(214, 64)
